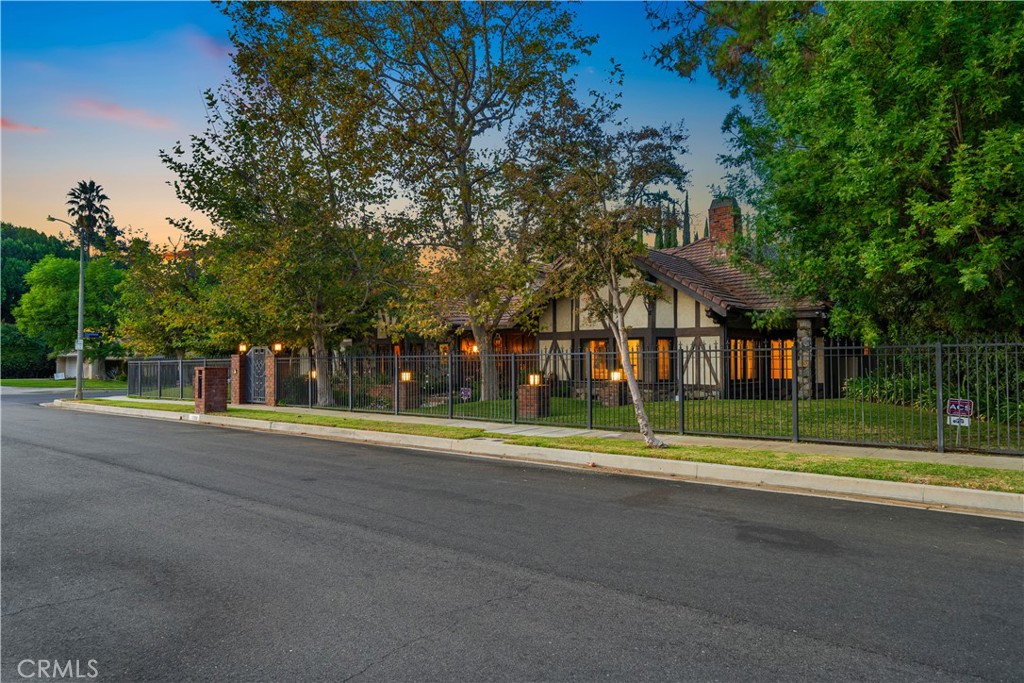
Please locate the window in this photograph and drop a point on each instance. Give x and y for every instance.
(664, 359)
(635, 349)
(782, 359)
(742, 359)
(598, 359)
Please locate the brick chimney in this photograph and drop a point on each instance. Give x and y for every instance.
(723, 219)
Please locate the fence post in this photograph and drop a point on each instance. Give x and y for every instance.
(309, 381)
(590, 390)
(795, 390)
(940, 427)
(181, 380)
(394, 381)
(351, 361)
(679, 377)
(451, 364)
(159, 380)
(515, 388)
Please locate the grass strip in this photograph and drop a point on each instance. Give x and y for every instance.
(440, 431)
(962, 476)
(44, 383)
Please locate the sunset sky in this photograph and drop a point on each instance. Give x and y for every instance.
(94, 91)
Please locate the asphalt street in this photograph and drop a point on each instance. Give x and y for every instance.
(171, 552)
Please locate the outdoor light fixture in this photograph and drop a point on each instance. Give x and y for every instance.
(534, 379)
(242, 348)
(405, 376)
(616, 375)
(312, 374)
(476, 349)
(278, 346)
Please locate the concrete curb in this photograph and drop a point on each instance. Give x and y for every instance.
(989, 503)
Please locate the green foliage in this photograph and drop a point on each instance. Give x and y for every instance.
(20, 249)
(288, 174)
(49, 310)
(882, 150)
(164, 305)
(22, 356)
(94, 226)
(914, 389)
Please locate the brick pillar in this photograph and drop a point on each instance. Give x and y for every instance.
(271, 369)
(237, 378)
(210, 390)
(804, 358)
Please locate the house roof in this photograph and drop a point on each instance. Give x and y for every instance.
(702, 270)
(457, 317)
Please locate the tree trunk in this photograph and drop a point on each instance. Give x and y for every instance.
(619, 330)
(320, 362)
(490, 390)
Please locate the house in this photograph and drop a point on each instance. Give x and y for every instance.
(99, 368)
(704, 309)
(702, 319)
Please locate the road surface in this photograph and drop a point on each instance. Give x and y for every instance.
(184, 552)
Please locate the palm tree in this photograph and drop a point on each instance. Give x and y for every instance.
(87, 206)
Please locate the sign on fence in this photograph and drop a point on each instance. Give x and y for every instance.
(465, 393)
(958, 421)
(959, 407)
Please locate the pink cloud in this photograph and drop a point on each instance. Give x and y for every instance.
(112, 111)
(7, 124)
(208, 45)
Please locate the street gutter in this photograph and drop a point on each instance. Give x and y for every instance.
(945, 498)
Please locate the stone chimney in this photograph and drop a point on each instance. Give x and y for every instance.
(723, 219)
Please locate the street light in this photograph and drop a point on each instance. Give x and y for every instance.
(79, 343)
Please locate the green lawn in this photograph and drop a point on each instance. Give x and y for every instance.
(865, 468)
(112, 385)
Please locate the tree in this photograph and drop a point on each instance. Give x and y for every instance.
(449, 80)
(288, 173)
(882, 151)
(686, 220)
(588, 180)
(20, 249)
(23, 356)
(94, 226)
(165, 298)
(49, 309)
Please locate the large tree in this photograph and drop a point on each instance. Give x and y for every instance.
(289, 176)
(20, 249)
(447, 80)
(881, 145)
(590, 183)
(49, 309)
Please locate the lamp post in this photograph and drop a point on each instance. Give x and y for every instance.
(79, 343)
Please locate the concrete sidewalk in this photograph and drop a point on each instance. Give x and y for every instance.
(1004, 462)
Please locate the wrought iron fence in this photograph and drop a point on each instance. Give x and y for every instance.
(831, 393)
(167, 378)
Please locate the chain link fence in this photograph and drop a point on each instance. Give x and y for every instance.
(928, 396)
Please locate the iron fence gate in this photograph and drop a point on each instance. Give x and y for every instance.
(256, 374)
(830, 393)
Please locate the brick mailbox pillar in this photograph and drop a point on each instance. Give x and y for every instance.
(533, 400)
(210, 390)
(237, 378)
(613, 393)
(408, 395)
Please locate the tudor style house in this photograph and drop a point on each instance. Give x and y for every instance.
(704, 309)
(705, 303)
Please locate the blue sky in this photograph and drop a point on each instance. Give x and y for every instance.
(95, 90)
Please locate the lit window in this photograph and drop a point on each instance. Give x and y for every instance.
(742, 359)
(598, 359)
(782, 359)
(664, 359)
(635, 348)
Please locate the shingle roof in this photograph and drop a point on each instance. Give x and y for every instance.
(703, 270)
